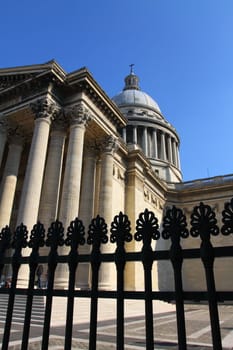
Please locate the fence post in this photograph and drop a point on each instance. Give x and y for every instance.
(75, 237)
(146, 230)
(203, 223)
(175, 226)
(120, 233)
(36, 241)
(19, 242)
(97, 234)
(54, 239)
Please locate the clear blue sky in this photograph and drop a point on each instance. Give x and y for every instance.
(182, 50)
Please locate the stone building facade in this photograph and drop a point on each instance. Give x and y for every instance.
(68, 150)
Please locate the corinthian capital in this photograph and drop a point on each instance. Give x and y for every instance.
(78, 114)
(16, 135)
(3, 124)
(109, 144)
(44, 108)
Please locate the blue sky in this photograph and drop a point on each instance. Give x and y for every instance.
(182, 51)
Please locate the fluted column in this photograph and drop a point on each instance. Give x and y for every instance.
(155, 143)
(86, 210)
(174, 152)
(52, 179)
(3, 137)
(145, 141)
(135, 135)
(163, 147)
(109, 146)
(170, 158)
(79, 116)
(9, 180)
(30, 197)
(69, 210)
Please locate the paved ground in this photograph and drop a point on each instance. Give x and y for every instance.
(197, 324)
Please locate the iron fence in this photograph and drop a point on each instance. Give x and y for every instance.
(203, 224)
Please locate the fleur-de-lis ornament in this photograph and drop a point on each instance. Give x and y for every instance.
(203, 222)
(227, 218)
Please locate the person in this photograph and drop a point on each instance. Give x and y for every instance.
(39, 273)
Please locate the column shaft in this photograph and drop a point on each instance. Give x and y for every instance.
(52, 178)
(9, 182)
(169, 149)
(163, 147)
(86, 211)
(155, 143)
(145, 141)
(3, 138)
(135, 136)
(30, 197)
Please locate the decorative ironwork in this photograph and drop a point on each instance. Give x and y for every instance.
(55, 235)
(227, 218)
(20, 237)
(147, 227)
(5, 239)
(97, 232)
(120, 229)
(175, 225)
(37, 237)
(203, 222)
(75, 234)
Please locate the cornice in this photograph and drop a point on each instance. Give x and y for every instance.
(82, 80)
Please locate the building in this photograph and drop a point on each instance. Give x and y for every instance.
(67, 149)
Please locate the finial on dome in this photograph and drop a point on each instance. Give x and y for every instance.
(132, 80)
(131, 68)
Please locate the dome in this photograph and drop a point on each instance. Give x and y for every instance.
(135, 98)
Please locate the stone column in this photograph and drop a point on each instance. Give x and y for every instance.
(52, 179)
(155, 143)
(174, 152)
(44, 110)
(178, 156)
(109, 146)
(124, 135)
(163, 147)
(30, 197)
(145, 141)
(135, 136)
(3, 137)
(86, 210)
(78, 116)
(170, 158)
(9, 180)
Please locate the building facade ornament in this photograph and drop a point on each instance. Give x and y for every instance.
(109, 144)
(44, 108)
(78, 114)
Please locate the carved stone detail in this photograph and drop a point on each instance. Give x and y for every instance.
(78, 114)
(109, 145)
(44, 108)
(60, 122)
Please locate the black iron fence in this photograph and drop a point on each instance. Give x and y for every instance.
(174, 226)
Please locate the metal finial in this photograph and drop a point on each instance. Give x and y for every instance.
(131, 67)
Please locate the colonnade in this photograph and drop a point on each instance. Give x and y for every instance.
(155, 143)
(58, 184)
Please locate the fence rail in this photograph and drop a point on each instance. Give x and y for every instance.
(174, 226)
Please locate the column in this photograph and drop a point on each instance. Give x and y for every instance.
(163, 147)
(52, 179)
(43, 110)
(30, 197)
(178, 156)
(155, 143)
(3, 137)
(145, 141)
(174, 152)
(78, 116)
(135, 136)
(86, 210)
(124, 135)
(9, 180)
(169, 148)
(109, 146)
